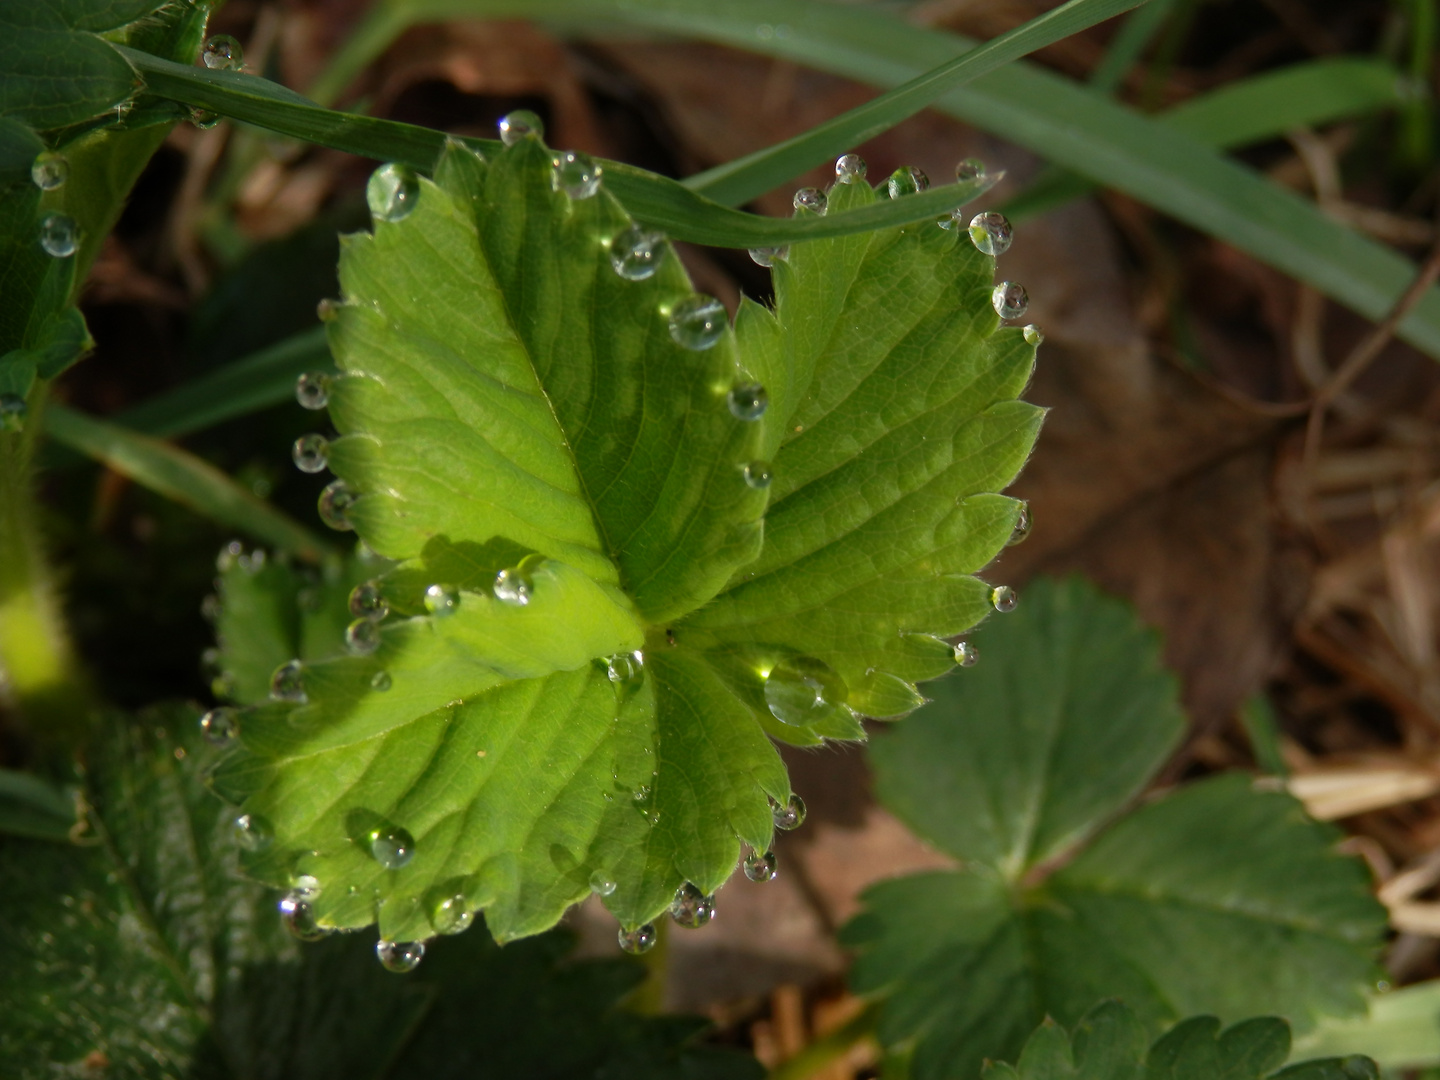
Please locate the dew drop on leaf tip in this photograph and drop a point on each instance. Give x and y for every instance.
(991, 232)
(442, 600)
(49, 170)
(13, 412)
(790, 815)
(517, 125)
(1004, 598)
(59, 235)
(362, 637)
(400, 956)
(288, 682)
(334, 504)
(221, 52)
(327, 310)
(576, 174)
(691, 908)
(810, 199)
(312, 390)
(966, 655)
(1010, 300)
(311, 453)
(392, 192)
(761, 866)
(298, 917)
(601, 884)
(969, 170)
(451, 916)
(850, 169)
(769, 256)
(635, 253)
(1033, 335)
(907, 180)
(1023, 522)
(640, 940)
(747, 401)
(221, 726)
(392, 848)
(697, 322)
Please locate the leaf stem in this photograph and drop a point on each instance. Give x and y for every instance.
(39, 671)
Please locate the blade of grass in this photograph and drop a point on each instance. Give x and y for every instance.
(29, 806)
(1127, 45)
(743, 179)
(660, 202)
(176, 474)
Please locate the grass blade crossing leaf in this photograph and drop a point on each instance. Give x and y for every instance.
(1215, 898)
(595, 624)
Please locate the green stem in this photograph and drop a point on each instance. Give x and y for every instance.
(828, 1047)
(649, 997)
(39, 671)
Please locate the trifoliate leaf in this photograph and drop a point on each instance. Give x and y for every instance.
(1216, 898)
(1109, 1044)
(596, 626)
(145, 955)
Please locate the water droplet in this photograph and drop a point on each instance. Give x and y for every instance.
(811, 199)
(758, 474)
(13, 411)
(380, 681)
(769, 256)
(518, 124)
(362, 637)
(576, 175)
(640, 940)
(312, 390)
(907, 180)
(966, 655)
(299, 917)
(635, 253)
(1033, 334)
(252, 832)
(220, 726)
(306, 887)
(761, 866)
(288, 682)
(367, 601)
(49, 170)
(442, 600)
(602, 885)
(691, 908)
(791, 815)
(1004, 598)
(327, 310)
(626, 670)
(311, 453)
(850, 169)
(1022, 526)
(59, 235)
(335, 503)
(1010, 300)
(513, 586)
(747, 401)
(697, 322)
(392, 848)
(392, 192)
(802, 690)
(400, 956)
(969, 170)
(222, 53)
(451, 916)
(204, 119)
(991, 232)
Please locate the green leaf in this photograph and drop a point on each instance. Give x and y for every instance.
(29, 806)
(149, 954)
(1109, 1044)
(1000, 769)
(1215, 898)
(508, 403)
(1400, 1031)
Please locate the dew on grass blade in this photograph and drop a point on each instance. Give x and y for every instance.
(1010, 300)
(576, 174)
(969, 169)
(59, 235)
(392, 192)
(907, 180)
(811, 199)
(400, 956)
(640, 940)
(697, 322)
(311, 453)
(222, 52)
(849, 169)
(49, 170)
(769, 256)
(517, 125)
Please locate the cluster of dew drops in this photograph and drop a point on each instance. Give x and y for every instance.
(697, 323)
